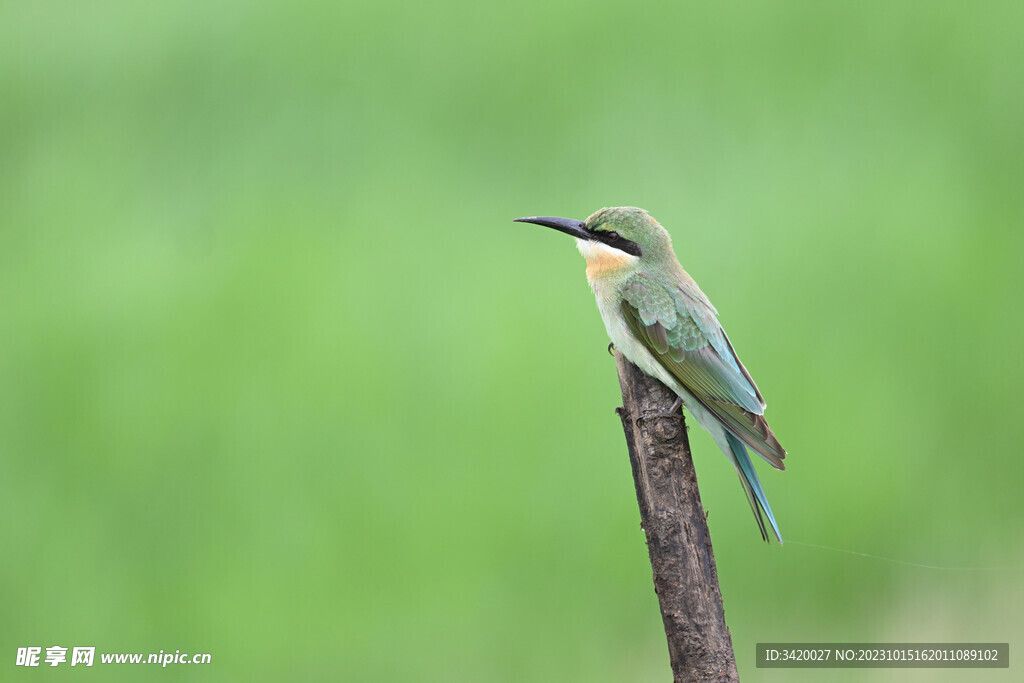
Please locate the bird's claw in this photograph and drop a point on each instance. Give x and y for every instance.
(671, 413)
(611, 349)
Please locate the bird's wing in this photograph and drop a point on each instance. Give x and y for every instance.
(681, 329)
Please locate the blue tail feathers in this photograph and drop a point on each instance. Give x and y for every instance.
(755, 494)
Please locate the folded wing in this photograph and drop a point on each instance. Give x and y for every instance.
(681, 329)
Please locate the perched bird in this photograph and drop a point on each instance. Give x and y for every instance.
(660, 320)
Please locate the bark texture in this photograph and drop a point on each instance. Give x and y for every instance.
(673, 519)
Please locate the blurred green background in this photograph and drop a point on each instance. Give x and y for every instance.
(281, 382)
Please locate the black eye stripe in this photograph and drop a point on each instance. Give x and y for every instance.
(614, 239)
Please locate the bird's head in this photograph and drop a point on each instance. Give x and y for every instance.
(614, 237)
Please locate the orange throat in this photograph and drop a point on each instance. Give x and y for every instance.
(603, 260)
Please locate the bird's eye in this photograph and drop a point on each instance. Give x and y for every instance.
(612, 236)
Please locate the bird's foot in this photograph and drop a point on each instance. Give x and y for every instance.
(611, 349)
(671, 413)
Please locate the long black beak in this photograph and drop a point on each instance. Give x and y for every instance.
(566, 225)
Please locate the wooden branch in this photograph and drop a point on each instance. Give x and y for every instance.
(685, 577)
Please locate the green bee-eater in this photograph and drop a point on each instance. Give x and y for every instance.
(660, 320)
